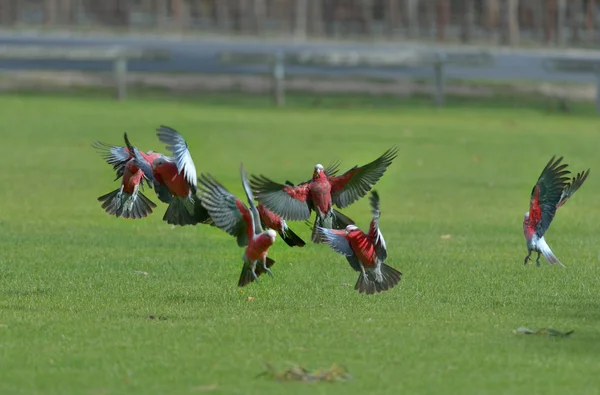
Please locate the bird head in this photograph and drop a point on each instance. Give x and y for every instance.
(350, 228)
(159, 161)
(318, 171)
(272, 234)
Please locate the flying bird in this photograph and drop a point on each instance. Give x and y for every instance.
(128, 201)
(366, 252)
(325, 189)
(552, 190)
(231, 215)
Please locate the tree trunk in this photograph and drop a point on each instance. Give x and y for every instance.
(550, 19)
(50, 8)
(9, 13)
(590, 20)
(300, 14)
(328, 16)
(411, 10)
(160, 12)
(468, 20)
(492, 11)
(575, 19)
(178, 10)
(259, 15)
(222, 14)
(366, 16)
(315, 20)
(510, 25)
(442, 17)
(391, 17)
(560, 22)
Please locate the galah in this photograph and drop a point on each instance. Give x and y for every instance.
(366, 252)
(551, 191)
(174, 180)
(295, 203)
(273, 221)
(128, 201)
(231, 215)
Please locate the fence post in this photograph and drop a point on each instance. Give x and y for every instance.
(278, 79)
(120, 69)
(438, 67)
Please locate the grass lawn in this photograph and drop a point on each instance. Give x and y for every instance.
(74, 313)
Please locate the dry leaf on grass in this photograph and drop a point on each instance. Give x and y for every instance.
(298, 373)
(251, 298)
(445, 237)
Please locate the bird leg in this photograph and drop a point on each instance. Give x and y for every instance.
(537, 261)
(264, 262)
(528, 257)
(253, 270)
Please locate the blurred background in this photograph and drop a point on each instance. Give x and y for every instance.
(432, 48)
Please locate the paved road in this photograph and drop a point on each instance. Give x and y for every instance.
(199, 55)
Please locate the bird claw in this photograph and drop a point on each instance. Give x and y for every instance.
(527, 259)
(268, 271)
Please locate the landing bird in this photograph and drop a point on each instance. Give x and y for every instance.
(551, 191)
(231, 215)
(366, 252)
(273, 221)
(174, 180)
(127, 201)
(295, 203)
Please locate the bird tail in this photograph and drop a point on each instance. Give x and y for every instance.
(124, 205)
(291, 238)
(181, 211)
(547, 252)
(371, 282)
(340, 221)
(201, 214)
(246, 276)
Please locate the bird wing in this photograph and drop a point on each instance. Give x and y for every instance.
(572, 187)
(288, 201)
(375, 234)
(356, 182)
(257, 227)
(180, 152)
(336, 239)
(546, 194)
(114, 155)
(227, 211)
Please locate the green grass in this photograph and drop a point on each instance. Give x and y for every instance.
(74, 312)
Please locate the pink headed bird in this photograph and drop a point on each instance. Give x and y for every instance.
(127, 201)
(231, 215)
(295, 203)
(366, 252)
(551, 191)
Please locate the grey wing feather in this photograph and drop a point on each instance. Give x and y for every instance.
(180, 152)
(374, 231)
(361, 179)
(222, 207)
(273, 196)
(337, 243)
(257, 228)
(114, 155)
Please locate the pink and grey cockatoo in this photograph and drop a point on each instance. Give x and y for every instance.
(128, 201)
(175, 181)
(231, 215)
(366, 252)
(551, 191)
(295, 203)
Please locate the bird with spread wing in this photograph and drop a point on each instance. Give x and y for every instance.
(551, 191)
(231, 215)
(325, 189)
(366, 252)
